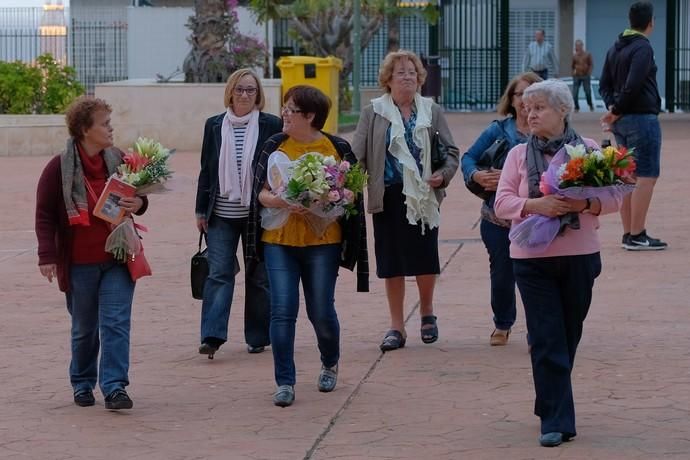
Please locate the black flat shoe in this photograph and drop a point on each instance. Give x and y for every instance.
(429, 334)
(84, 398)
(118, 399)
(392, 341)
(252, 349)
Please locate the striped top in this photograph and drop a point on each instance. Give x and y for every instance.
(540, 57)
(224, 207)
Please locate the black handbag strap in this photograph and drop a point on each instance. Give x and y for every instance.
(202, 235)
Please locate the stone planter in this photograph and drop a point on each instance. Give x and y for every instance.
(32, 134)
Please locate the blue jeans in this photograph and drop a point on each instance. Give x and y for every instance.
(100, 302)
(497, 244)
(317, 267)
(223, 238)
(586, 83)
(641, 132)
(557, 293)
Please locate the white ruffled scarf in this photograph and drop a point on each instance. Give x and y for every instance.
(420, 199)
(231, 184)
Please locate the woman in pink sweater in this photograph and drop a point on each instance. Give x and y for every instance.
(555, 285)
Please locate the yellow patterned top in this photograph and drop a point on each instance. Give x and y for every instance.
(297, 231)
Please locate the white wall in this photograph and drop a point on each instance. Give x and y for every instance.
(157, 38)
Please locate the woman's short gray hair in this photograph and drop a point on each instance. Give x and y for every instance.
(557, 94)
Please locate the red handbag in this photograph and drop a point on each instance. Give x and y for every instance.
(138, 266)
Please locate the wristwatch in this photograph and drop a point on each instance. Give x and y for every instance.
(588, 206)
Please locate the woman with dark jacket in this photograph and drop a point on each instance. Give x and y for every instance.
(232, 141)
(71, 248)
(294, 252)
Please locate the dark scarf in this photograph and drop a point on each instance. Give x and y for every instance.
(537, 148)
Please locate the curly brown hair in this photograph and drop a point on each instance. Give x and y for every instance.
(79, 115)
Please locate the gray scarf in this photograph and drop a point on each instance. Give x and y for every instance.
(73, 186)
(537, 148)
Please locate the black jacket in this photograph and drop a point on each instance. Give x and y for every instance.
(354, 229)
(628, 79)
(210, 153)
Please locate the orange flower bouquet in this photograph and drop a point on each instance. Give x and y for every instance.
(576, 172)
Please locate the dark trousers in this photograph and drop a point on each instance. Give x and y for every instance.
(497, 244)
(585, 82)
(556, 292)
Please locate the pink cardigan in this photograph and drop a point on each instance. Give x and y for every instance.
(511, 196)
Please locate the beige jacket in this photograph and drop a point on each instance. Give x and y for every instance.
(369, 146)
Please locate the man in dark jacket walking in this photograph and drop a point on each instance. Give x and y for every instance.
(628, 86)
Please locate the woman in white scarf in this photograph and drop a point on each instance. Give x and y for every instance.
(393, 140)
(231, 141)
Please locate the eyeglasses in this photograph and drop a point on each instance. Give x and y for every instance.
(238, 90)
(290, 110)
(411, 73)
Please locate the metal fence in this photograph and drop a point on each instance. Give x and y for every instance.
(93, 40)
(678, 56)
(472, 50)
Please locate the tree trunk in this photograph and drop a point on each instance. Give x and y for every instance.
(208, 58)
(393, 21)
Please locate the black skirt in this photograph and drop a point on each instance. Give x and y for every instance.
(401, 249)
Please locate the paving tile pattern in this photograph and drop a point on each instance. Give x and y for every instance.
(455, 399)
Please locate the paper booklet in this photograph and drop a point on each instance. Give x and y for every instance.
(107, 207)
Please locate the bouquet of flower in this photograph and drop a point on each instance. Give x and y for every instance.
(576, 172)
(318, 183)
(146, 166)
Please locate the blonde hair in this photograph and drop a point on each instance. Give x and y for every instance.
(235, 78)
(505, 104)
(386, 69)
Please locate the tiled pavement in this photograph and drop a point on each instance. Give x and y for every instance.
(456, 399)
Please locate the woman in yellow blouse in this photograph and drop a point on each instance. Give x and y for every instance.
(295, 252)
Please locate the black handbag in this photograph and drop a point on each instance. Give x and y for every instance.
(493, 157)
(199, 269)
(439, 152)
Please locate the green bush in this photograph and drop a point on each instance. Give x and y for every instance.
(47, 87)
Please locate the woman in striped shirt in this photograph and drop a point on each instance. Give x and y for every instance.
(232, 140)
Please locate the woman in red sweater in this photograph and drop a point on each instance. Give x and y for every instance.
(71, 248)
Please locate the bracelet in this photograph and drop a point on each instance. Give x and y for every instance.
(588, 206)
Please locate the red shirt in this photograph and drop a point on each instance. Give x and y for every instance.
(89, 241)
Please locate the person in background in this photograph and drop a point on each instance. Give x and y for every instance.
(540, 57)
(71, 248)
(555, 285)
(393, 141)
(628, 87)
(582, 67)
(295, 252)
(494, 231)
(232, 141)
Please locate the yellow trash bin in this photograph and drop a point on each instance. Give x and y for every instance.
(321, 73)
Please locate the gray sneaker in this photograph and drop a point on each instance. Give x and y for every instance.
(328, 377)
(284, 396)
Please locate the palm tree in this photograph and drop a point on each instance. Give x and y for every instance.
(211, 27)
